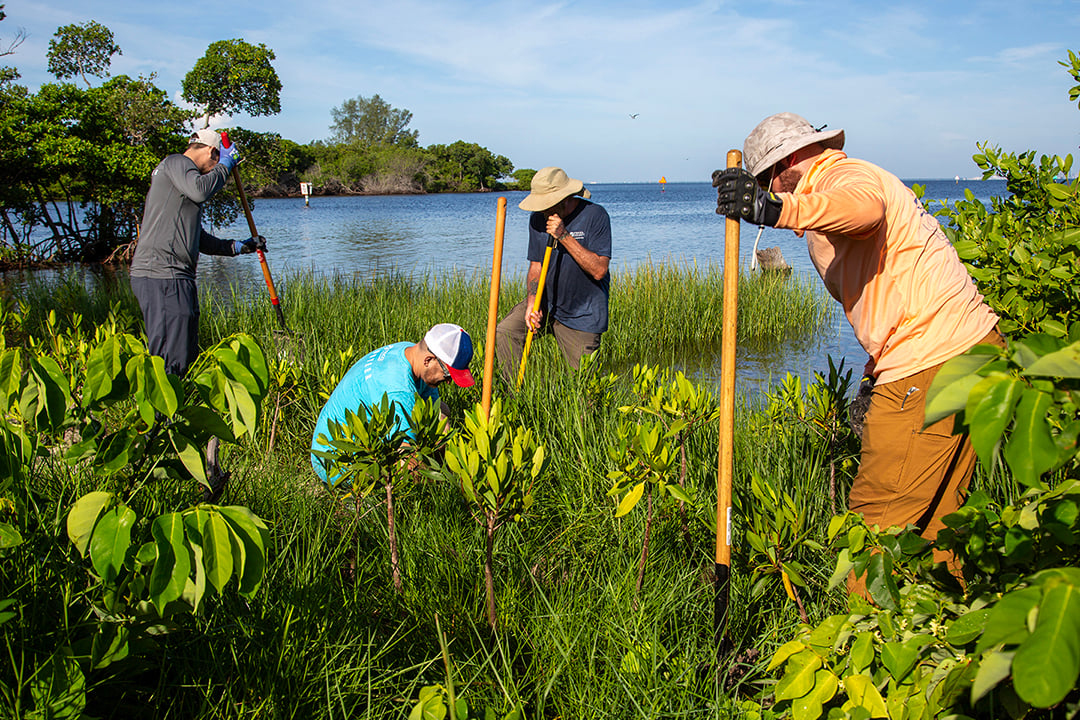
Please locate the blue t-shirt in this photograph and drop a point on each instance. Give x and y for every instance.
(570, 295)
(381, 372)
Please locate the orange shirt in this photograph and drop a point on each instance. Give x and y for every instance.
(904, 290)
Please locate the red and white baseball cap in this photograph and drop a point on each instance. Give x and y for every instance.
(451, 344)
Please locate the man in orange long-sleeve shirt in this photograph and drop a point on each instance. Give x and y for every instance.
(910, 301)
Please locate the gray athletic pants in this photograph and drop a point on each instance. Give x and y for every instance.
(170, 309)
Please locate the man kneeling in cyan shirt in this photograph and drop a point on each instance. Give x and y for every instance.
(402, 372)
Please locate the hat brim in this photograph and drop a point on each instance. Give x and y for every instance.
(461, 378)
(538, 202)
(831, 139)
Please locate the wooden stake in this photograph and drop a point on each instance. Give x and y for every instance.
(493, 306)
(725, 460)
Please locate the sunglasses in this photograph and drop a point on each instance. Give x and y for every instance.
(442, 366)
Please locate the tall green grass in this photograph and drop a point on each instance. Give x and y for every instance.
(327, 637)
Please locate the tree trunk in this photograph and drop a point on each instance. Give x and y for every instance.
(684, 526)
(489, 573)
(644, 547)
(394, 566)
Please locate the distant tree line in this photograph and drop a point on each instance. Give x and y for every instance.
(76, 159)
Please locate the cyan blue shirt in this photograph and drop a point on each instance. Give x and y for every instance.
(381, 372)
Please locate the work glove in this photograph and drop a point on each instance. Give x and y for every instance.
(243, 247)
(228, 156)
(739, 196)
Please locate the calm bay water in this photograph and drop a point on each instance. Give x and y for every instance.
(434, 234)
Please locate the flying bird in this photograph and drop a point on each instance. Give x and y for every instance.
(633, 116)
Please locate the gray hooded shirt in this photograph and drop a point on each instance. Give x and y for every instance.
(171, 235)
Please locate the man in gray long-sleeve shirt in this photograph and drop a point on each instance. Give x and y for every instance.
(170, 240)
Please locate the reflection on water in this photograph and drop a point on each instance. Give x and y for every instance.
(434, 234)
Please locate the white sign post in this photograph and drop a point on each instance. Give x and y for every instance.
(305, 190)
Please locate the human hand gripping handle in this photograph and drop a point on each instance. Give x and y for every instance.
(252, 244)
(227, 155)
(738, 196)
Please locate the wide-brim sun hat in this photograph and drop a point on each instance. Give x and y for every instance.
(451, 344)
(779, 135)
(207, 136)
(549, 187)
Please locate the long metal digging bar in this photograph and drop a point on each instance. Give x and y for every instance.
(552, 242)
(255, 233)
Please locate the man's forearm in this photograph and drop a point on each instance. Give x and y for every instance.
(595, 266)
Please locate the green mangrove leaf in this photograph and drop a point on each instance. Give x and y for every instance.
(173, 565)
(1030, 450)
(809, 706)
(1047, 664)
(862, 694)
(110, 541)
(83, 516)
(784, 652)
(799, 677)
(253, 534)
(190, 455)
(1064, 363)
(967, 627)
(1007, 622)
(899, 659)
(862, 652)
(991, 416)
(948, 393)
(630, 499)
(993, 668)
(217, 551)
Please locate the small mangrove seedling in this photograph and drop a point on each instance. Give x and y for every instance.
(682, 407)
(497, 466)
(646, 462)
(374, 449)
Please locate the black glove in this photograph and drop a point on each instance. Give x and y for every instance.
(243, 247)
(740, 197)
(858, 407)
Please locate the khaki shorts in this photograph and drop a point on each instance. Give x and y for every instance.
(908, 475)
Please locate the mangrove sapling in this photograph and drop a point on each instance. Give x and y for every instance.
(497, 466)
(373, 449)
(106, 407)
(823, 410)
(645, 460)
(682, 407)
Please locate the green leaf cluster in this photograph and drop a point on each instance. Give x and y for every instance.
(1020, 403)
(497, 465)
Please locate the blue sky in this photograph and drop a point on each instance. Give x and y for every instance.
(914, 85)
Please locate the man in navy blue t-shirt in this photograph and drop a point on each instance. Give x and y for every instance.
(574, 303)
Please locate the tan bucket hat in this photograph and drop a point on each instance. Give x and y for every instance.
(549, 187)
(779, 135)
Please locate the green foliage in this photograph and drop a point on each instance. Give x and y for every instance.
(464, 167)
(497, 466)
(522, 179)
(101, 405)
(1023, 250)
(84, 49)
(64, 148)
(1020, 402)
(1009, 639)
(234, 76)
(371, 121)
